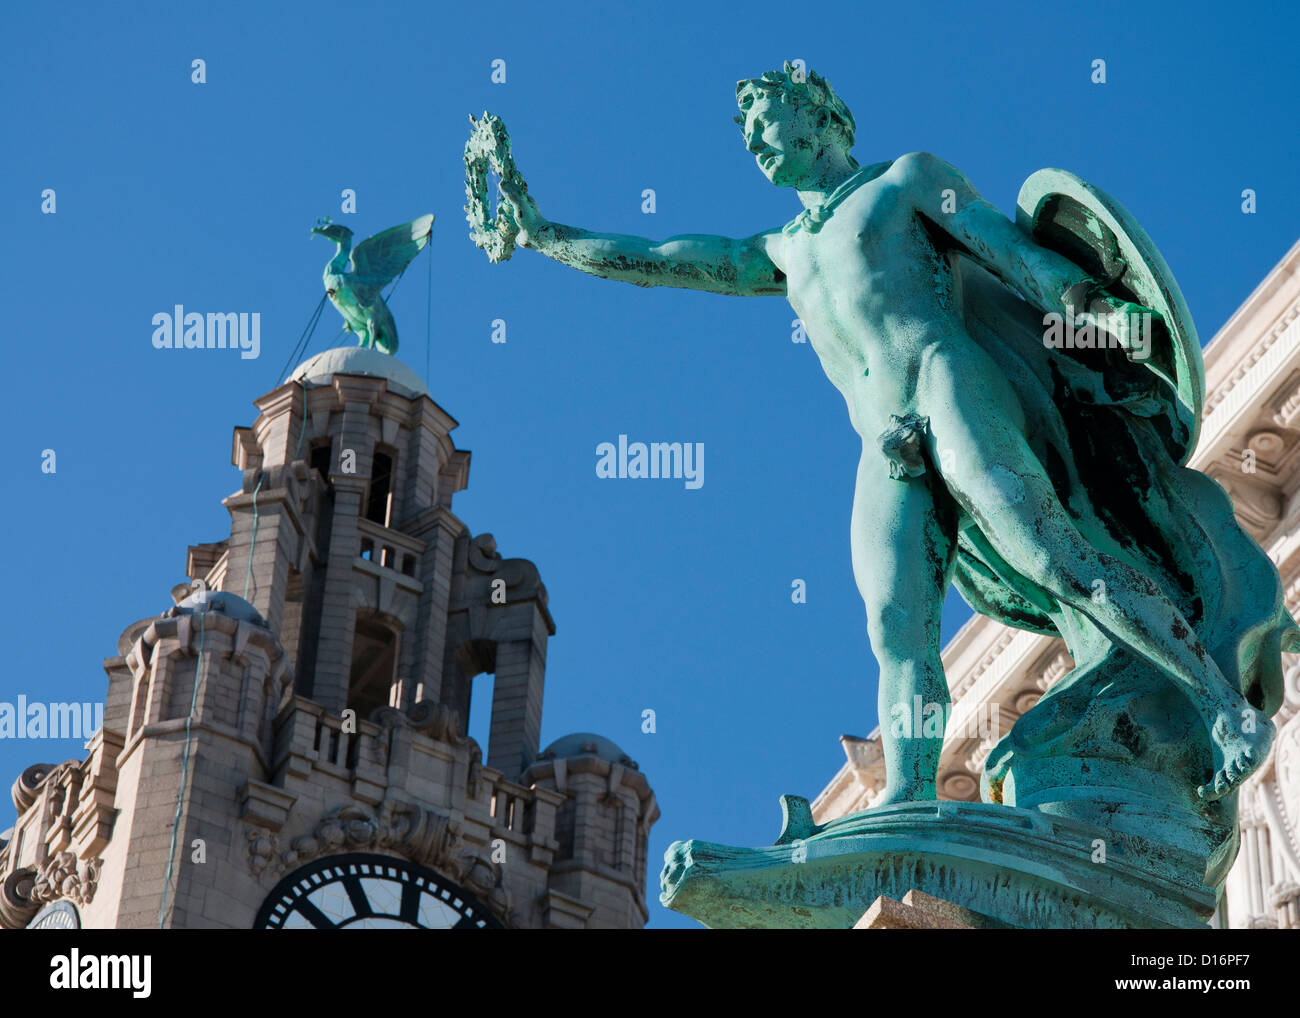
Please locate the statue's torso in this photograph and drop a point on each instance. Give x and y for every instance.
(874, 297)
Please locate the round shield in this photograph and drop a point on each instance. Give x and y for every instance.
(1088, 226)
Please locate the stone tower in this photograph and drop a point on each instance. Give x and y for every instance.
(287, 745)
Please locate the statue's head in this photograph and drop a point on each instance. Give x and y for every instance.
(788, 119)
(333, 231)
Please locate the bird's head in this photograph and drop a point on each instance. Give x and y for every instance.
(332, 231)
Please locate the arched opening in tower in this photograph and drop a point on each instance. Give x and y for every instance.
(379, 500)
(374, 666)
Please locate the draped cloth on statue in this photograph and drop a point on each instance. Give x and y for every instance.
(1113, 434)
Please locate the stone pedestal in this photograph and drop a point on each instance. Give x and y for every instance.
(919, 911)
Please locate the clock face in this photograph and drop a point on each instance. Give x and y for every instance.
(370, 892)
(60, 915)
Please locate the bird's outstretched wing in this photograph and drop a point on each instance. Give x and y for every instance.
(378, 260)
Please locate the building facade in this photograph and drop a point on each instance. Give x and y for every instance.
(1249, 443)
(287, 745)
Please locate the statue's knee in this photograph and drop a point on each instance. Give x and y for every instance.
(894, 630)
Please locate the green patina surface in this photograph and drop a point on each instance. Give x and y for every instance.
(1045, 479)
(355, 277)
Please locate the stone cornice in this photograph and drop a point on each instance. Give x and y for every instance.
(1251, 318)
(615, 774)
(1241, 400)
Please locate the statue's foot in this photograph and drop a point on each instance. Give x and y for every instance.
(1241, 745)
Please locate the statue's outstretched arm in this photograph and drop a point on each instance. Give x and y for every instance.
(949, 202)
(738, 268)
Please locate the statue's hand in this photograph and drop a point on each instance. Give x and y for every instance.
(517, 221)
(1132, 324)
(520, 207)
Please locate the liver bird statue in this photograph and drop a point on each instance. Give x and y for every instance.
(376, 262)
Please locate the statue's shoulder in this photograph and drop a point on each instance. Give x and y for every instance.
(917, 162)
(919, 167)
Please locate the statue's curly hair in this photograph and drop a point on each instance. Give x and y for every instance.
(810, 90)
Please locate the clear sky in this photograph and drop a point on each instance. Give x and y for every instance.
(669, 599)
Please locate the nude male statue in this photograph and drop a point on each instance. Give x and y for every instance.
(943, 431)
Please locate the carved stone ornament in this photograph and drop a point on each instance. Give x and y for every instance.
(16, 904)
(422, 835)
(64, 876)
(28, 783)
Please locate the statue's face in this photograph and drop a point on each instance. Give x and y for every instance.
(784, 138)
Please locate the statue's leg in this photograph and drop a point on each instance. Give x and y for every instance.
(977, 440)
(904, 540)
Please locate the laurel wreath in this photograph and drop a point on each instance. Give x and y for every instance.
(488, 152)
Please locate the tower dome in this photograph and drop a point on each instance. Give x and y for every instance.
(359, 360)
(586, 744)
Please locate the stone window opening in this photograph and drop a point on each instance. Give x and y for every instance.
(320, 460)
(379, 498)
(374, 667)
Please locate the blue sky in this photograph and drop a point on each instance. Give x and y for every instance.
(665, 598)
